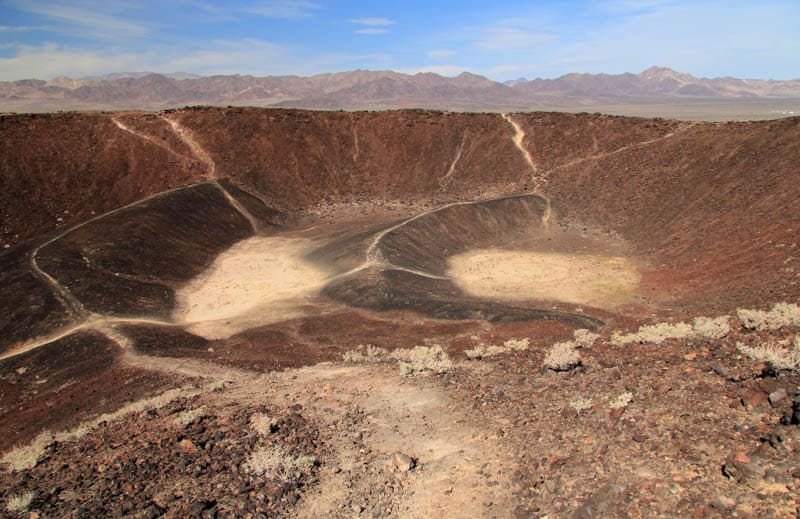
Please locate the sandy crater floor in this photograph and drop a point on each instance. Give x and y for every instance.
(258, 281)
(596, 280)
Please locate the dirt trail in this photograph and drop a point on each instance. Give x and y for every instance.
(536, 178)
(452, 169)
(124, 127)
(412, 416)
(200, 153)
(188, 138)
(91, 321)
(684, 128)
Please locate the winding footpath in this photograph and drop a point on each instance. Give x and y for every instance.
(536, 178)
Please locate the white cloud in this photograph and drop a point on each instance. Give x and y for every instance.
(371, 30)
(510, 38)
(21, 28)
(85, 20)
(374, 22)
(248, 56)
(287, 9)
(441, 54)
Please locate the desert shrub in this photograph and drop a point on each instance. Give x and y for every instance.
(563, 356)
(621, 401)
(483, 350)
(585, 338)
(368, 353)
(712, 327)
(421, 359)
(275, 463)
(20, 503)
(262, 423)
(581, 404)
(774, 354)
(655, 333)
(27, 456)
(189, 416)
(782, 314)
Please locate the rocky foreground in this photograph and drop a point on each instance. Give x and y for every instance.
(676, 424)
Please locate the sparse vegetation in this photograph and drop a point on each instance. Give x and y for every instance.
(482, 350)
(189, 416)
(585, 338)
(782, 314)
(262, 423)
(712, 327)
(581, 404)
(274, 463)
(26, 457)
(563, 356)
(777, 356)
(704, 327)
(621, 401)
(655, 333)
(20, 503)
(365, 353)
(421, 359)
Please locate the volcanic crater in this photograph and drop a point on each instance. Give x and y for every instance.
(145, 250)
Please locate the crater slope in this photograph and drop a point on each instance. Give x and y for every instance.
(145, 251)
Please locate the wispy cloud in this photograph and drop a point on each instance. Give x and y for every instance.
(371, 30)
(86, 20)
(22, 28)
(374, 22)
(245, 56)
(441, 54)
(286, 9)
(373, 25)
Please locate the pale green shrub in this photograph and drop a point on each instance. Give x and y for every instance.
(581, 404)
(189, 416)
(483, 350)
(27, 456)
(772, 353)
(262, 423)
(712, 327)
(782, 314)
(275, 463)
(368, 353)
(621, 401)
(421, 359)
(563, 356)
(655, 333)
(20, 503)
(585, 338)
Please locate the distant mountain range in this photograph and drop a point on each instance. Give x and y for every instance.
(380, 89)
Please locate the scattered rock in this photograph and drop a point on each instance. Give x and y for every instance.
(720, 370)
(186, 446)
(403, 462)
(723, 503)
(776, 396)
(740, 467)
(752, 398)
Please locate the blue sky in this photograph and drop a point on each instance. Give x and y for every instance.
(501, 40)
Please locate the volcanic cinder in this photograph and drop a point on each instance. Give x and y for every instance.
(145, 251)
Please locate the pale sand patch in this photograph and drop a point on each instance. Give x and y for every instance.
(258, 281)
(600, 281)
